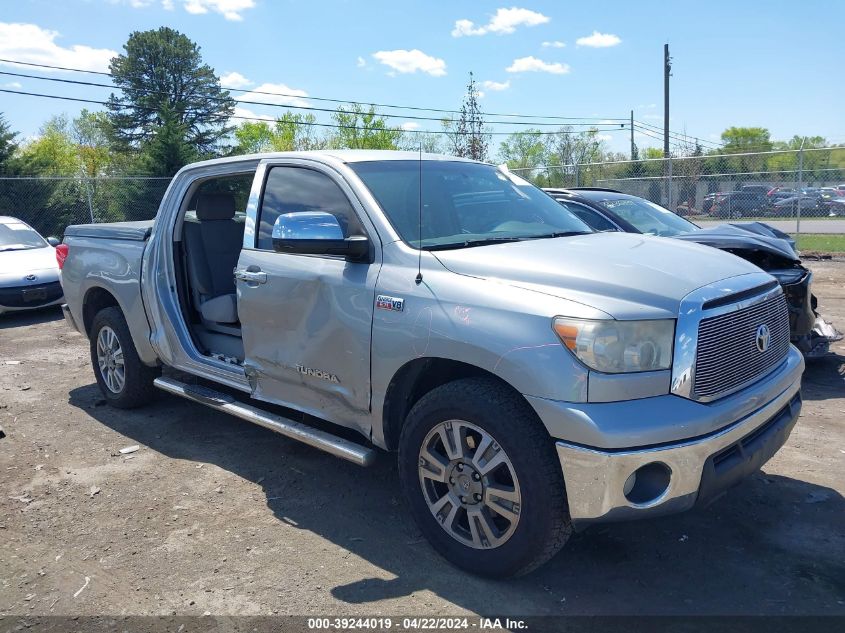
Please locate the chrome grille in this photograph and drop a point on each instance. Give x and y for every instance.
(727, 355)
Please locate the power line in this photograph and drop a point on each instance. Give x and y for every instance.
(276, 105)
(678, 135)
(366, 103)
(307, 123)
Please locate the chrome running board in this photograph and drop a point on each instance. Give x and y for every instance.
(322, 440)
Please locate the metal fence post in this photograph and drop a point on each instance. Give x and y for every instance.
(669, 185)
(800, 187)
(90, 201)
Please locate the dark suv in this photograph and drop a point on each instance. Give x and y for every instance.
(745, 201)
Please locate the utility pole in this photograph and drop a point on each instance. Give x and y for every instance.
(667, 71)
(632, 135)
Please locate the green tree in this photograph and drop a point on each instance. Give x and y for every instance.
(53, 152)
(168, 150)
(290, 132)
(252, 137)
(428, 142)
(8, 146)
(163, 81)
(737, 140)
(363, 129)
(524, 150)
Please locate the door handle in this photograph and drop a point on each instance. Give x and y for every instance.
(251, 276)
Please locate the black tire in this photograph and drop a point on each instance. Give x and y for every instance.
(544, 524)
(137, 389)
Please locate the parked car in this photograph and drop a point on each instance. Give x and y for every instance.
(29, 274)
(789, 206)
(763, 245)
(835, 206)
(533, 374)
(736, 204)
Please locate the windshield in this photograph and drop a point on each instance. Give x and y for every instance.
(17, 236)
(463, 204)
(648, 217)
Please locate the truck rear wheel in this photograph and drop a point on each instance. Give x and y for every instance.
(124, 380)
(482, 478)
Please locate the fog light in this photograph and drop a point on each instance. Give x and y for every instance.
(647, 484)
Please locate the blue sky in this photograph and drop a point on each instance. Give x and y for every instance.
(777, 64)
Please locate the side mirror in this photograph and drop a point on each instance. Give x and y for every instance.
(317, 233)
(53, 241)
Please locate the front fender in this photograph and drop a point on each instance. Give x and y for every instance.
(503, 330)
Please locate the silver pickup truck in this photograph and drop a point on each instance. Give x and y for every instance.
(533, 375)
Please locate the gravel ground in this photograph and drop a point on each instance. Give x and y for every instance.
(214, 515)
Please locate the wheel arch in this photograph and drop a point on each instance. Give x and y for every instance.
(96, 299)
(418, 377)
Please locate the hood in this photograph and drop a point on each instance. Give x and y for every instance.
(625, 275)
(746, 235)
(16, 265)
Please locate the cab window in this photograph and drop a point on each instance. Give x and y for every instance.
(297, 190)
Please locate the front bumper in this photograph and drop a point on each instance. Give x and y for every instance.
(673, 476)
(30, 297)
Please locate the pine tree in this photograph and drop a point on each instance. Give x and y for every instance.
(7, 145)
(164, 81)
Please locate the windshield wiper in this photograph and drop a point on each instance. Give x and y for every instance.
(470, 243)
(559, 234)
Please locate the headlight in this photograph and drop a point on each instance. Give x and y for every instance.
(618, 346)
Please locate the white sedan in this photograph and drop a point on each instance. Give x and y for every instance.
(29, 272)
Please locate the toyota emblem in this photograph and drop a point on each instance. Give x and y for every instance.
(764, 336)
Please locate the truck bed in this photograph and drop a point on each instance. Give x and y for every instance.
(129, 231)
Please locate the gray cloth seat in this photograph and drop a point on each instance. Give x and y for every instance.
(213, 242)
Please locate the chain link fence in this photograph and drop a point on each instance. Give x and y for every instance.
(51, 204)
(775, 185)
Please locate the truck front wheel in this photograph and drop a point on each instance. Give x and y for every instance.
(124, 380)
(482, 478)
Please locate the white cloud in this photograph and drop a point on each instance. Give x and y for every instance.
(31, 43)
(234, 80)
(604, 137)
(496, 86)
(652, 117)
(554, 44)
(280, 94)
(403, 61)
(361, 62)
(503, 21)
(598, 40)
(249, 114)
(14, 85)
(410, 126)
(229, 9)
(532, 64)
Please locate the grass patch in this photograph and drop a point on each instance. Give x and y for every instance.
(821, 243)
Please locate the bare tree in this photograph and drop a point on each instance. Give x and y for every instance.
(467, 136)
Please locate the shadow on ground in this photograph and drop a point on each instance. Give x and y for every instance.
(824, 378)
(772, 545)
(22, 319)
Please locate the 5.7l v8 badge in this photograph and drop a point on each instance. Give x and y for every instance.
(395, 304)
